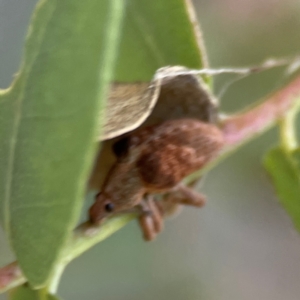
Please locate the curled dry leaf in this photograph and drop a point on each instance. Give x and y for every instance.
(134, 105)
(128, 106)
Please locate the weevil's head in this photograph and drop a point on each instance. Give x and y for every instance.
(103, 207)
(121, 192)
(123, 188)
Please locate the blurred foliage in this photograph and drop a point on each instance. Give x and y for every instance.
(284, 169)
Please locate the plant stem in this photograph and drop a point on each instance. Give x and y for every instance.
(238, 129)
(241, 127)
(288, 134)
(10, 277)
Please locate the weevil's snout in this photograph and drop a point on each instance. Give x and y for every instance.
(101, 209)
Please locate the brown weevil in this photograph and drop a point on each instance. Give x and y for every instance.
(154, 160)
(179, 137)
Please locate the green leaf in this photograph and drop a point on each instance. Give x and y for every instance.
(284, 169)
(25, 293)
(158, 34)
(49, 120)
(49, 117)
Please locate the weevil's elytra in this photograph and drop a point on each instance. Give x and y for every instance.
(155, 160)
(176, 149)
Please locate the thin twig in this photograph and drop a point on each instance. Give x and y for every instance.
(243, 126)
(10, 277)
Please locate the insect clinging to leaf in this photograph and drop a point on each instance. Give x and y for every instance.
(178, 137)
(154, 160)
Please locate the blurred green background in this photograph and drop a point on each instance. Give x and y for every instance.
(242, 244)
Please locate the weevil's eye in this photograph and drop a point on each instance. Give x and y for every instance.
(109, 207)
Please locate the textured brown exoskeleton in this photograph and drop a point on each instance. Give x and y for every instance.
(154, 160)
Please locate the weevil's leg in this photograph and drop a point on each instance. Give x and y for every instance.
(168, 206)
(150, 219)
(160, 207)
(155, 213)
(146, 224)
(185, 195)
(146, 221)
